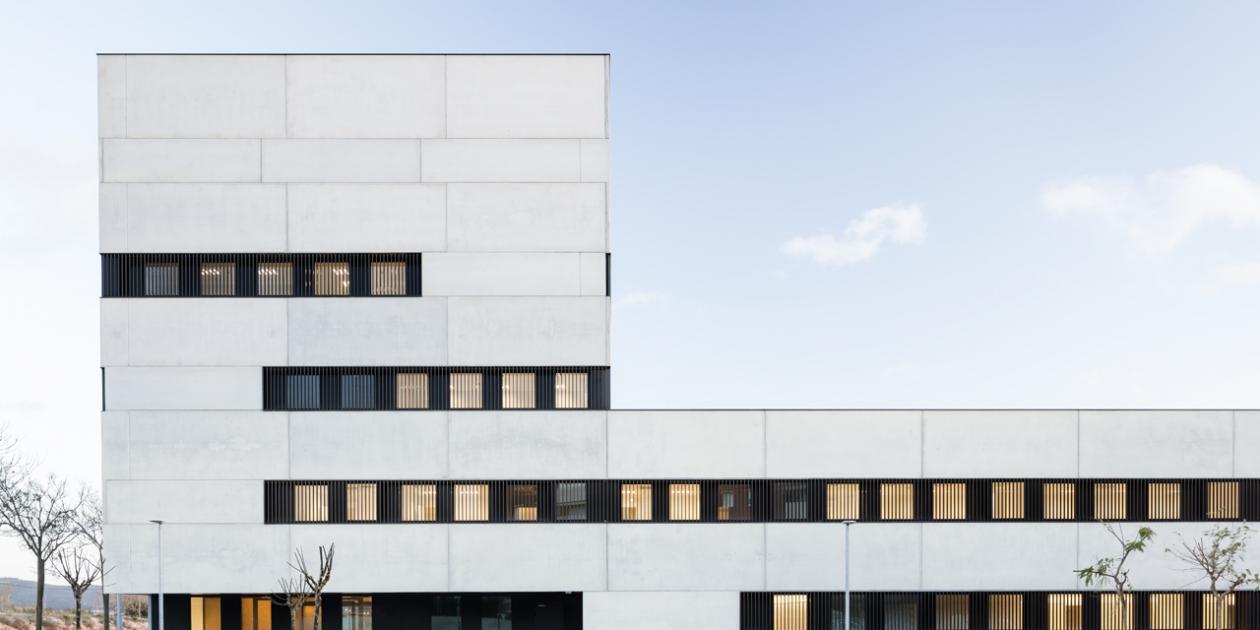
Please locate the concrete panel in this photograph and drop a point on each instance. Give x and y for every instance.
(190, 501)
(526, 217)
(115, 445)
(205, 96)
(380, 558)
(180, 160)
(886, 557)
(528, 444)
(528, 330)
(1000, 556)
(1153, 569)
(863, 444)
(356, 445)
(537, 557)
(111, 96)
(708, 557)
(127, 576)
(804, 556)
(595, 161)
(999, 443)
(523, 96)
(206, 331)
(594, 280)
(686, 444)
(660, 611)
(501, 161)
(202, 558)
(377, 331)
(1157, 443)
(366, 96)
(502, 274)
(114, 323)
(341, 161)
(367, 218)
(1246, 437)
(200, 218)
(157, 388)
(113, 217)
(209, 445)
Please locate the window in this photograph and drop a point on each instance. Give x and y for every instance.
(356, 612)
(791, 501)
(206, 613)
(389, 278)
(255, 613)
(570, 502)
(308, 617)
(1163, 501)
(1065, 611)
(413, 391)
(332, 278)
(1008, 500)
(419, 503)
(1006, 612)
(843, 501)
(636, 502)
(684, 501)
(1219, 613)
(522, 502)
(465, 390)
(896, 501)
(1060, 501)
(901, 612)
(518, 390)
(734, 502)
(949, 501)
(1113, 618)
(275, 278)
(361, 502)
(301, 391)
(791, 612)
(1222, 499)
(358, 391)
(472, 502)
(951, 612)
(310, 503)
(446, 613)
(1167, 611)
(161, 279)
(571, 390)
(218, 278)
(496, 612)
(1109, 501)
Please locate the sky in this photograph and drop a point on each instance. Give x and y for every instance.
(858, 204)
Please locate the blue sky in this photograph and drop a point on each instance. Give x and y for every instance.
(814, 204)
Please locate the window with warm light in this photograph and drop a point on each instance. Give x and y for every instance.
(472, 502)
(1163, 501)
(843, 501)
(419, 503)
(518, 390)
(332, 278)
(734, 502)
(522, 502)
(1006, 612)
(1065, 611)
(571, 390)
(684, 501)
(161, 279)
(1113, 616)
(952, 612)
(466, 390)
(791, 612)
(636, 502)
(310, 503)
(206, 613)
(949, 501)
(361, 502)
(255, 613)
(1059, 501)
(1008, 500)
(412, 391)
(275, 278)
(896, 501)
(1219, 612)
(1168, 611)
(218, 278)
(389, 278)
(1222, 500)
(1109, 501)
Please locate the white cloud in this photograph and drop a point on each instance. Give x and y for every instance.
(643, 298)
(1159, 211)
(863, 237)
(1235, 275)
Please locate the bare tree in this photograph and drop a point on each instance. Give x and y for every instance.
(1112, 569)
(78, 570)
(89, 519)
(1218, 556)
(306, 586)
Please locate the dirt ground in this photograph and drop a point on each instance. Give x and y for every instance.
(24, 619)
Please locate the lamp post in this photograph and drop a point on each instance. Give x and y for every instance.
(161, 595)
(847, 607)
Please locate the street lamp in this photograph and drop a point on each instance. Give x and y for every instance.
(161, 595)
(847, 608)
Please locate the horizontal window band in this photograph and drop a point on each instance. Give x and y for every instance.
(401, 388)
(760, 500)
(260, 275)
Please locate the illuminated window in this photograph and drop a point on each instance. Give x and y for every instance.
(951, 612)
(1113, 617)
(1167, 611)
(161, 279)
(356, 612)
(843, 501)
(1060, 501)
(571, 390)
(1223, 499)
(518, 390)
(361, 502)
(571, 501)
(301, 391)
(310, 503)
(1109, 501)
(413, 391)
(472, 502)
(1219, 612)
(465, 390)
(949, 501)
(389, 278)
(218, 278)
(419, 502)
(1008, 500)
(684, 501)
(255, 613)
(791, 501)
(206, 613)
(896, 501)
(636, 502)
(734, 502)
(522, 502)
(307, 621)
(332, 278)
(358, 391)
(1065, 611)
(1163, 501)
(1006, 612)
(275, 278)
(791, 612)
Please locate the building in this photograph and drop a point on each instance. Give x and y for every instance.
(364, 300)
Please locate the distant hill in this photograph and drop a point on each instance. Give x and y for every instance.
(56, 596)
